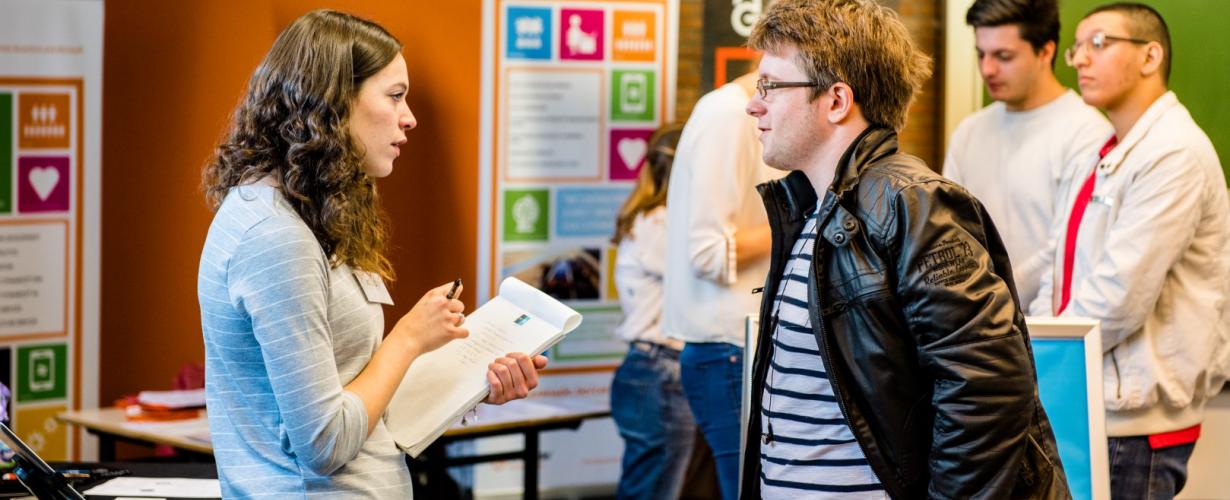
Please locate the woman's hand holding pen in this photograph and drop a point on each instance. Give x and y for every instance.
(513, 377)
(435, 320)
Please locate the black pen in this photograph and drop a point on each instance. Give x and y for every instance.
(453, 291)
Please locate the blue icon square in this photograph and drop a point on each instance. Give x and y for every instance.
(528, 32)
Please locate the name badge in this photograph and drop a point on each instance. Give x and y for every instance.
(373, 287)
(1103, 200)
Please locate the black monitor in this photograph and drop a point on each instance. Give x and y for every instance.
(43, 481)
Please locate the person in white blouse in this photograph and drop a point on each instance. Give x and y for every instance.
(647, 401)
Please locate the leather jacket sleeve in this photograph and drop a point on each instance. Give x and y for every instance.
(961, 313)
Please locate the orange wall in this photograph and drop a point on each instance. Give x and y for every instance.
(172, 73)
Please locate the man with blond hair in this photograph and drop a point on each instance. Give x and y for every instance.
(1143, 246)
(892, 358)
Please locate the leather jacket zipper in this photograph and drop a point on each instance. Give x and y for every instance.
(826, 350)
(826, 355)
(764, 349)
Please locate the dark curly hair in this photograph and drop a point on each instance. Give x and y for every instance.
(293, 127)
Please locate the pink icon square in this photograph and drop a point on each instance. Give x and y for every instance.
(42, 183)
(581, 35)
(628, 149)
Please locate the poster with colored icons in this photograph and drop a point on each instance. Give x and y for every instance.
(576, 89)
(50, 108)
(39, 155)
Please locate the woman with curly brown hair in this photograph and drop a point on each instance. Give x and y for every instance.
(292, 274)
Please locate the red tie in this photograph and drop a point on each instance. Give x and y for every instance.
(1074, 226)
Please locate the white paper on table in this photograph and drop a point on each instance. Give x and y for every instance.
(158, 487)
(189, 398)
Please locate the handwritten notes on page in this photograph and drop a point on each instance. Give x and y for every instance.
(442, 385)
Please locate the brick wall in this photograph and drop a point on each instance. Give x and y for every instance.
(924, 129)
(923, 132)
(691, 24)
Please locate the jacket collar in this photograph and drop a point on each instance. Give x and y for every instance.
(797, 196)
(1139, 130)
(871, 145)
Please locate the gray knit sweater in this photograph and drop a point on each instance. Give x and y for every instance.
(284, 332)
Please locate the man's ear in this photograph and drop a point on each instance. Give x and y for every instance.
(841, 104)
(1048, 52)
(1153, 59)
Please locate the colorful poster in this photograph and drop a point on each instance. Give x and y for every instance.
(581, 34)
(556, 123)
(41, 372)
(634, 38)
(628, 150)
(530, 36)
(577, 87)
(632, 96)
(38, 428)
(33, 279)
(588, 212)
(50, 177)
(526, 214)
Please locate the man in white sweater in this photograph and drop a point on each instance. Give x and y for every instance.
(1143, 245)
(1018, 154)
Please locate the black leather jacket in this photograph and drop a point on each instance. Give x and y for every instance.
(916, 317)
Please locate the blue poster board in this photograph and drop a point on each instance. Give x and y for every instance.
(1068, 356)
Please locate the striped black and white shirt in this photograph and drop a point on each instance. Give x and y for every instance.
(811, 453)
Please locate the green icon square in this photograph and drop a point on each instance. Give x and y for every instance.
(6, 153)
(633, 95)
(42, 372)
(526, 214)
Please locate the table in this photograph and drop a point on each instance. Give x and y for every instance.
(436, 457)
(523, 417)
(111, 426)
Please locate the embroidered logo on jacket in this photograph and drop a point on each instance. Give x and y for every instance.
(950, 263)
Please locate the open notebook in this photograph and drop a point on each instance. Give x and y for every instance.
(444, 384)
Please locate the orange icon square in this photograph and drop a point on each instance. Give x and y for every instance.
(44, 121)
(635, 36)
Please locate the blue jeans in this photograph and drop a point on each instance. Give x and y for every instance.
(713, 383)
(1138, 472)
(654, 420)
